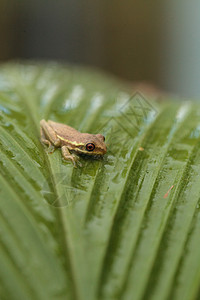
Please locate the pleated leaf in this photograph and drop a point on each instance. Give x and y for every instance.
(123, 227)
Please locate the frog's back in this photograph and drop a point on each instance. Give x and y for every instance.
(64, 131)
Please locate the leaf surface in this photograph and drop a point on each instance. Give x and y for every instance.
(123, 227)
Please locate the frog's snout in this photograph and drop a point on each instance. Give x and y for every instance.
(104, 150)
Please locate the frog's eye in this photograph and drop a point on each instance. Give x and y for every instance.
(104, 138)
(90, 147)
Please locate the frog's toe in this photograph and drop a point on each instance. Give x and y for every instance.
(79, 163)
(51, 149)
(76, 161)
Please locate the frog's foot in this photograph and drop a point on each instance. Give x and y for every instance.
(51, 149)
(73, 159)
(68, 156)
(77, 162)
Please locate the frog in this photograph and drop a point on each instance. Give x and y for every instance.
(73, 143)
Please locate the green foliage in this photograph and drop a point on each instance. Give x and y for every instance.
(109, 229)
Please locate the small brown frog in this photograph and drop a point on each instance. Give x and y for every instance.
(71, 141)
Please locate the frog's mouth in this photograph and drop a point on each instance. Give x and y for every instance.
(87, 155)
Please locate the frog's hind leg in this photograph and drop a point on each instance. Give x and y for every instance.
(48, 135)
(43, 138)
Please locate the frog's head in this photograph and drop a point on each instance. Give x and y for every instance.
(97, 145)
(93, 145)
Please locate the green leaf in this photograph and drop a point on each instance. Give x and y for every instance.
(123, 227)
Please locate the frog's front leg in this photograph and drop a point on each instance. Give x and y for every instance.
(48, 135)
(43, 138)
(68, 156)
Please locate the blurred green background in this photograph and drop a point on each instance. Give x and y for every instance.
(153, 41)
